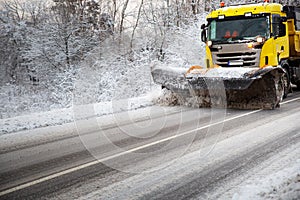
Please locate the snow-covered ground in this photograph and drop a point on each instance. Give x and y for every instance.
(137, 107)
(66, 115)
(277, 178)
(283, 184)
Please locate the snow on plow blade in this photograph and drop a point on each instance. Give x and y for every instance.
(242, 88)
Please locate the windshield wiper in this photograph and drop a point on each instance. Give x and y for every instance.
(237, 39)
(232, 40)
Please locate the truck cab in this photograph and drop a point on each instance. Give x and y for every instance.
(254, 35)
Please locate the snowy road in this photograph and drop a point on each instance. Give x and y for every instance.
(178, 153)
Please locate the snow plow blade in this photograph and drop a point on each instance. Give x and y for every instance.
(241, 88)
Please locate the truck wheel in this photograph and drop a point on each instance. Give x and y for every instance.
(279, 85)
(286, 79)
(286, 85)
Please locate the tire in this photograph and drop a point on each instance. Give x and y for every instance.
(286, 79)
(286, 85)
(280, 92)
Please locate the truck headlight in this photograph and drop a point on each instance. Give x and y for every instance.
(260, 39)
(209, 43)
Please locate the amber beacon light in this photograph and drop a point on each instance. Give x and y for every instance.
(222, 4)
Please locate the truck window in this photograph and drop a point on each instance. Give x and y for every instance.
(297, 19)
(277, 26)
(212, 30)
(238, 29)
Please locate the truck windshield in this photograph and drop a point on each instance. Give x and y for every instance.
(238, 29)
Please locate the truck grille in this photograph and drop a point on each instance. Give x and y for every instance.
(248, 59)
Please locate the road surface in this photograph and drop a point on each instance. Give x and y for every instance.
(185, 154)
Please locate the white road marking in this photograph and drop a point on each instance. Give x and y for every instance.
(64, 172)
(289, 101)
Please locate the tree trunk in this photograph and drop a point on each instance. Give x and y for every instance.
(123, 15)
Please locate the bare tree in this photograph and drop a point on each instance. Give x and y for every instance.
(136, 23)
(123, 15)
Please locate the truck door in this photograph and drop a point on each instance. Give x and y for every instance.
(281, 40)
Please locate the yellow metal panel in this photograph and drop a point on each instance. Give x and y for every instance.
(208, 59)
(297, 42)
(269, 51)
(283, 43)
(275, 49)
(294, 39)
(241, 10)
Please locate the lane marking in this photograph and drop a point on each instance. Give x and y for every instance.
(64, 172)
(289, 101)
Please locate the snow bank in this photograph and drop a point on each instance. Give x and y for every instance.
(167, 98)
(66, 115)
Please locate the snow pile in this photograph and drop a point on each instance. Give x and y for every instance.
(169, 69)
(284, 184)
(35, 120)
(66, 115)
(167, 98)
(20, 100)
(224, 72)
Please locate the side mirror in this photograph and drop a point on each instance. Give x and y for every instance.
(203, 33)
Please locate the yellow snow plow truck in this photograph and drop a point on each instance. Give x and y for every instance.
(252, 58)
